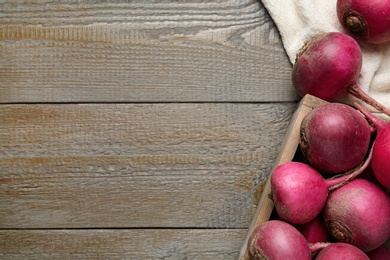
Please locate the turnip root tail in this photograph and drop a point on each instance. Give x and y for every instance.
(337, 182)
(315, 247)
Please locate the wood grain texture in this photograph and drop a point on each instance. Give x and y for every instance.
(137, 129)
(137, 51)
(200, 244)
(136, 165)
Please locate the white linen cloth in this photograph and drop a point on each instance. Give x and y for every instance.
(299, 20)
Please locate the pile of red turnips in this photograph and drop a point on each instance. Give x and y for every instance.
(331, 212)
(334, 201)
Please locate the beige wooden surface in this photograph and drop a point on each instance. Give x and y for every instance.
(137, 130)
(141, 51)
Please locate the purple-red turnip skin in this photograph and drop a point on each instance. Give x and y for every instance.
(327, 65)
(380, 253)
(367, 20)
(292, 184)
(315, 231)
(358, 213)
(334, 138)
(341, 251)
(381, 157)
(275, 239)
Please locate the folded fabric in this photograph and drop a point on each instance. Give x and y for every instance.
(299, 20)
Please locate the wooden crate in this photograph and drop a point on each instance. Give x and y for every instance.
(287, 152)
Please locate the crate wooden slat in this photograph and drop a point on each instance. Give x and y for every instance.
(287, 152)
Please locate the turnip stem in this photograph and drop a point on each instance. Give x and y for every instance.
(357, 92)
(378, 123)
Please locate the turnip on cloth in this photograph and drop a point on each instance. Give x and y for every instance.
(299, 20)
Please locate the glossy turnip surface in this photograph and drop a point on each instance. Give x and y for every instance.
(327, 65)
(334, 137)
(292, 184)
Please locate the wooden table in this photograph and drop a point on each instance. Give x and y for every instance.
(141, 130)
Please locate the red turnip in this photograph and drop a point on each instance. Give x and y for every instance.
(334, 137)
(328, 66)
(381, 149)
(366, 20)
(315, 231)
(379, 253)
(299, 192)
(341, 251)
(276, 239)
(358, 213)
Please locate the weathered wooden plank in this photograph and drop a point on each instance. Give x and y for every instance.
(159, 51)
(136, 165)
(194, 244)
